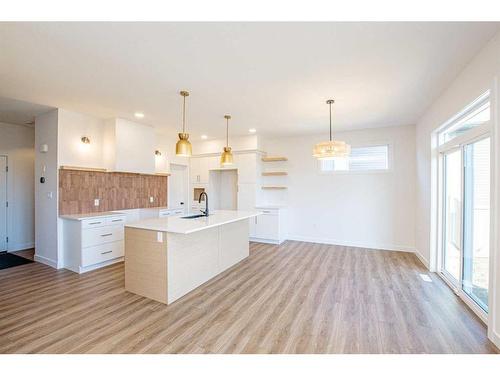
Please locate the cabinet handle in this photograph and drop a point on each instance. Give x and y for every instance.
(106, 235)
(107, 252)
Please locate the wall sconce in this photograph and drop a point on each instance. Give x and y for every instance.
(85, 140)
(157, 153)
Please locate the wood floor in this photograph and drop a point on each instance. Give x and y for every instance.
(294, 298)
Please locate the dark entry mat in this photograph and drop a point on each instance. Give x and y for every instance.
(8, 260)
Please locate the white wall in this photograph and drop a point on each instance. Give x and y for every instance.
(72, 152)
(46, 194)
(478, 76)
(18, 142)
(374, 210)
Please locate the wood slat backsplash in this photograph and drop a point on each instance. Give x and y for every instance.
(115, 191)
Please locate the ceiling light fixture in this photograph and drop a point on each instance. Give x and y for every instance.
(226, 157)
(139, 115)
(183, 147)
(331, 149)
(252, 130)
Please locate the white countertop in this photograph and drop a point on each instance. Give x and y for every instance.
(96, 215)
(92, 215)
(177, 224)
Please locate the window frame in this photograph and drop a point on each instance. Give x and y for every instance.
(390, 163)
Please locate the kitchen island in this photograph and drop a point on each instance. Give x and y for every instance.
(168, 257)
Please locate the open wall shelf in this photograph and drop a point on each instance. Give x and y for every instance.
(268, 159)
(274, 187)
(274, 173)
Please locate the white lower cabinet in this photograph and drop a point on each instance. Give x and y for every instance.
(268, 227)
(93, 242)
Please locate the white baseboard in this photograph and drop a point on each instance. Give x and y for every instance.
(49, 262)
(406, 249)
(421, 258)
(494, 338)
(20, 246)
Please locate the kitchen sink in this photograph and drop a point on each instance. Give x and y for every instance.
(193, 216)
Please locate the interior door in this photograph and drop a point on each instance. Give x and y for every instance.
(3, 203)
(178, 186)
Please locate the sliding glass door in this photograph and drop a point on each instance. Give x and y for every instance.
(476, 217)
(466, 219)
(452, 218)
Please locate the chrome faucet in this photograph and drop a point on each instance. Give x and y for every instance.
(206, 203)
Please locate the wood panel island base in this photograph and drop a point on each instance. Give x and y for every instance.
(167, 258)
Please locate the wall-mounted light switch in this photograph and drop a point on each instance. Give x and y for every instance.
(96, 202)
(151, 199)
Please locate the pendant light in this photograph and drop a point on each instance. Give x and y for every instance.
(226, 157)
(183, 147)
(331, 149)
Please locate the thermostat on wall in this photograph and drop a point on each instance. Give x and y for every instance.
(44, 148)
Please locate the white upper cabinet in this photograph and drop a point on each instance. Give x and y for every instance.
(199, 167)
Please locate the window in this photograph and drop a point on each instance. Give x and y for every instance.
(476, 114)
(366, 158)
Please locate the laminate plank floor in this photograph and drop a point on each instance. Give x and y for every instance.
(294, 298)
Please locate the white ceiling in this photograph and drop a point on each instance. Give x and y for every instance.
(271, 76)
(19, 112)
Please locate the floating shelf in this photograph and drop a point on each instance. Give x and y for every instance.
(274, 158)
(274, 173)
(274, 187)
(85, 169)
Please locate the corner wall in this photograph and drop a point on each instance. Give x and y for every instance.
(46, 220)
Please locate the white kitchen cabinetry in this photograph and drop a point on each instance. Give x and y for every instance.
(199, 167)
(270, 226)
(247, 168)
(92, 242)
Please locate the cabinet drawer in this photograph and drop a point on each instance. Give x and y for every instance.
(101, 235)
(93, 223)
(97, 254)
(115, 220)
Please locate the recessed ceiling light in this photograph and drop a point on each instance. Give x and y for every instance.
(204, 136)
(139, 115)
(252, 130)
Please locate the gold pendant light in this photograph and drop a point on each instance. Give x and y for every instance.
(226, 157)
(331, 149)
(183, 147)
